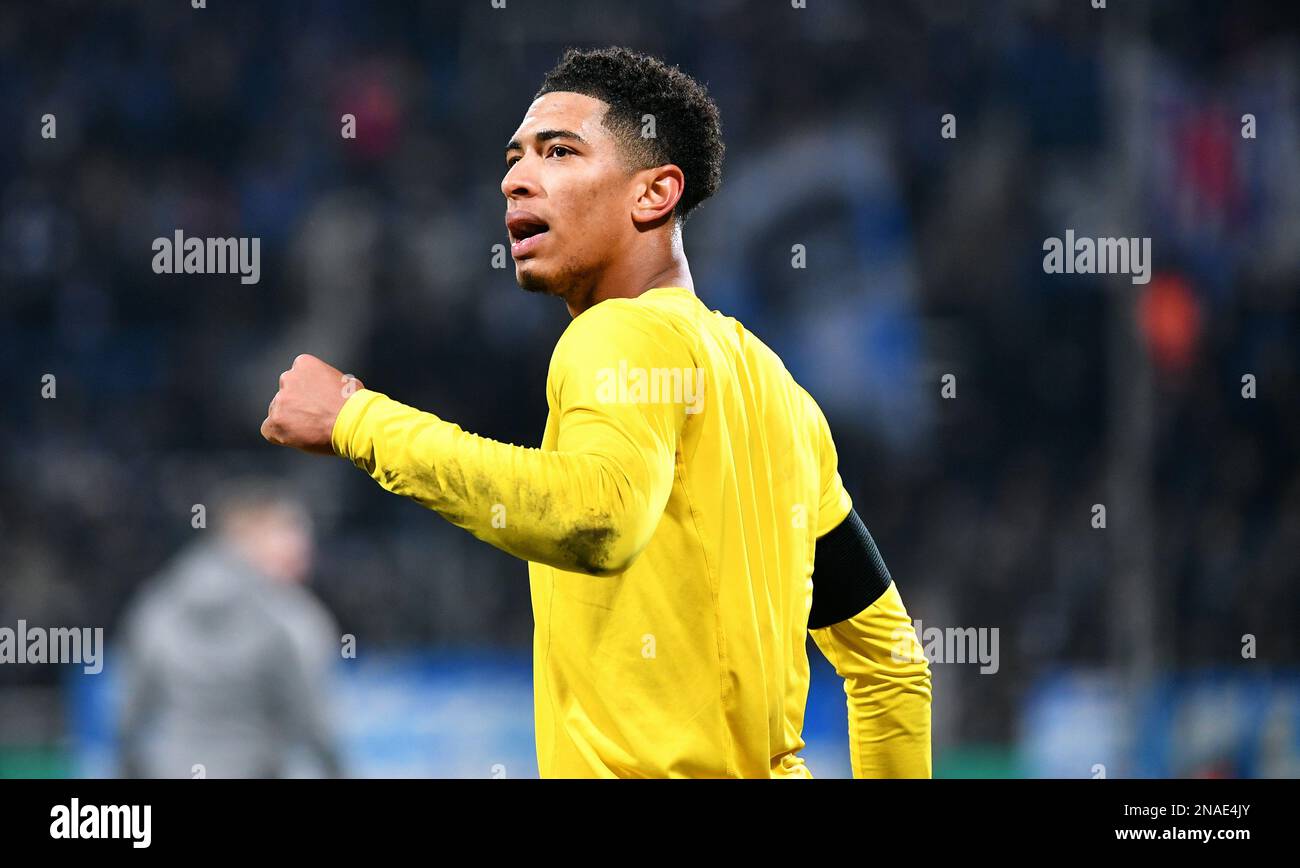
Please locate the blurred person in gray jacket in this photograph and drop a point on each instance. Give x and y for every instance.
(229, 655)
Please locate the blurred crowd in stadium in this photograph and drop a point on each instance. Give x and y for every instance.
(924, 257)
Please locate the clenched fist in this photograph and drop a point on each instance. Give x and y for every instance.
(302, 413)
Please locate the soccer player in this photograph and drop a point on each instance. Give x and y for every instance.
(684, 519)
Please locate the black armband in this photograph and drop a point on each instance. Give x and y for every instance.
(848, 573)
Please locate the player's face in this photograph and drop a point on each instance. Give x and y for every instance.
(568, 195)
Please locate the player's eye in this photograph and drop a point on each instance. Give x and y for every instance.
(557, 151)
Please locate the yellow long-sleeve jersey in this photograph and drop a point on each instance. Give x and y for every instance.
(670, 519)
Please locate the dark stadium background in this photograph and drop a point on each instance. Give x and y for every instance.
(1118, 646)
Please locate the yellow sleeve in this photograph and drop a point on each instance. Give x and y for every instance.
(888, 688)
(589, 506)
(835, 502)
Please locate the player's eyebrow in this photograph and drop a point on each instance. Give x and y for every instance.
(546, 136)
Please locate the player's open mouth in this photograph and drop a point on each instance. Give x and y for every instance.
(526, 232)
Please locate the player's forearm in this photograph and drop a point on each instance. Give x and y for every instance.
(574, 511)
(887, 683)
(889, 725)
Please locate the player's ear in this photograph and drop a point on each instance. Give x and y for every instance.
(657, 193)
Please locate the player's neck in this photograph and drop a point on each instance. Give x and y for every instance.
(665, 265)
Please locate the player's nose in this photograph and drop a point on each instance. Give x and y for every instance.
(519, 181)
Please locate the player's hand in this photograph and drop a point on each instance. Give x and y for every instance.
(302, 413)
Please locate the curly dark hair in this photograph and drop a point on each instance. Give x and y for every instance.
(687, 126)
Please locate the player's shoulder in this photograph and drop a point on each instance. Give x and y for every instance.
(797, 403)
(766, 364)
